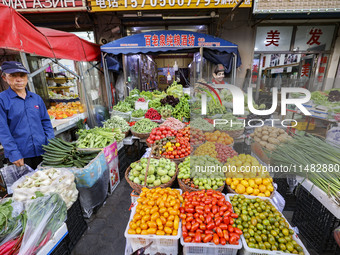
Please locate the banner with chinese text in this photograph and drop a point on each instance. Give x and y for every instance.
(129, 5)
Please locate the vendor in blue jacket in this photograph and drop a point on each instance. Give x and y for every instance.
(24, 122)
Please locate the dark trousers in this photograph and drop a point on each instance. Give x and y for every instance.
(32, 162)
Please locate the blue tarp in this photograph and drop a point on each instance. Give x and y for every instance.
(167, 40)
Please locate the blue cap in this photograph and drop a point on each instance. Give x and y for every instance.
(13, 67)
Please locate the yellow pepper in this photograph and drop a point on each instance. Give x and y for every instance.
(178, 144)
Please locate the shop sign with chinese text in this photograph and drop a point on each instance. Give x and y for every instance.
(129, 5)
(307, 38)
(314, 38)
(295, 6)
(274, 38)
(45, 5)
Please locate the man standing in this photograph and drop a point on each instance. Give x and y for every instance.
(24, 122)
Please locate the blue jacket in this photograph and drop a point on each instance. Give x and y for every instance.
(24, 125)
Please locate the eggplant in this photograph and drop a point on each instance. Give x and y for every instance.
(141, 251)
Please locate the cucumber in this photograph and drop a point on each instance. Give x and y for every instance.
(57, 144)
(65, 143)
(77, 164)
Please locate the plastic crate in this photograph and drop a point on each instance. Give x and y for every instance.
(76, 224)
(303, 125)
(209, 248)
(314, 221)
(250, 251)
(62, 248)
(165, 244)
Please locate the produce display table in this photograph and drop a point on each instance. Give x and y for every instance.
(316, 216)
(63, 125)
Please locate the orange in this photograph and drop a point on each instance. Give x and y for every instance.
(262, 188)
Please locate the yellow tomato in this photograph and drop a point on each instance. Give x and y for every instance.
(270, 187)
(267, 193)
(256, 192)
(228, 181)
(261, 195)
(251, 183)
(131, 231)
(249, 190)
(240, 189)
(245, 183)
(262, 188)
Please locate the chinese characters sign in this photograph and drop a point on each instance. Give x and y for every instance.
(273, 38)
(45, 5)
(318, 38)
(314, 37)
(295, 6)
(128, 5)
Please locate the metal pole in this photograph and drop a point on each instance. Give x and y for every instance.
(67, 69)
(25, 63)
(107, 81)
(124, 73)
(258, 83)
(234, 68)
(39, 70)
(201, 64)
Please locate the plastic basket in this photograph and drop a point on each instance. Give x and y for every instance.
(165, 244)
(209, 248)
(303, 125)
(315, 222)
(75, 223)
(251, 251)
(62, 248)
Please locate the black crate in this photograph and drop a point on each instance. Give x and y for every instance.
(62, 248)
(76, 225)
(314, 221)
(282, 186)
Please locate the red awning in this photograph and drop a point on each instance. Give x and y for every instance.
(69, 46)
(18, 34)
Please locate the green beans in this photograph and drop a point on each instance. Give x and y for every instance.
(144, 126)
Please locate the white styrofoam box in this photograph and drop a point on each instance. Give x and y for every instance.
(320, 195)
(163, 244)
(209, 248)
(142, 105)
(251, 251)
(319, 114)
(54, 242)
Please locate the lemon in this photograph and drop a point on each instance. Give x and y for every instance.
(267, 193)
(251, 183)
(258, 181)
(249, 190)
(245, 183)
(240, 189)
(262, 188)
(228, 181)
(270, 187)
(261, 195)
(256, 192)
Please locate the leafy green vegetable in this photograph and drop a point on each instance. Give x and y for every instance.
(122, 106)
(175, 90)
(146, 94)
(138, 113)
(182, 109)
(5, 213)
(134, 92)
(117, 122)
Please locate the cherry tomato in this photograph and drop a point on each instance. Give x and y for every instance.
(207, 238)
(223, 241)
(195, 226)
(219, 232)
(230, 228)
(198, 237)
(216, 239)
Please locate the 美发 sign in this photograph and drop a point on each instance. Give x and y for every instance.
(133, 5)
(275, 38)
(307, 38)
(295, 6)
(46, 5)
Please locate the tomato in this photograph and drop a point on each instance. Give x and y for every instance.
(216, 239)
(230, 229)
(223, 208)
(192, 234)
(195, 226)
(234, 215)
(207, 238)
(223, 226)
(188, 239)
(190, 218)
(203, 226)
(238, 231)
(226, 235)
(206, 209)
(207, 232)
(184, 234)
(232, 240)
(227, 214)
(181, 210)
(223, 241)
(219, 232)
(211, 226)
(214, 209)
(188, 226)
(231, 221)
(198, 237)
(208, 219)
(190, 210)
(218, 221)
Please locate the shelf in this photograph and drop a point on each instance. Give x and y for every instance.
(61, 87)
(60, 78)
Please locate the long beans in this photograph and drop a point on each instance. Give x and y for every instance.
(314, 159)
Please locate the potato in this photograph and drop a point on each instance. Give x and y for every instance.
(265, 138)
(263, 143)
(265, 133)
(252, 135)
(281, 131)
(257, 139)
(273, 134)
(273, 140)
(270, 147)
(282, 138)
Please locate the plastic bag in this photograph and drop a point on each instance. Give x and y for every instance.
(333, 136)
(13, 226)
(279, 201)
(12, 173)
(45, 215)
(47, 181)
